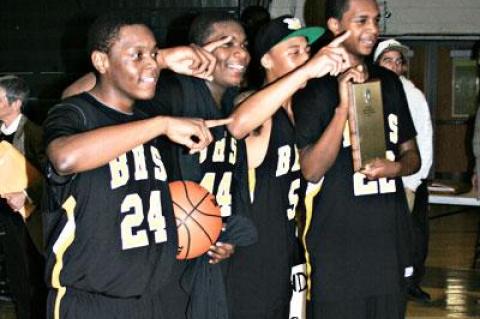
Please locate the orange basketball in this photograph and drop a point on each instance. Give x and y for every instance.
(198, 218)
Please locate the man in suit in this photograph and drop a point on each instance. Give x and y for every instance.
(20, 235)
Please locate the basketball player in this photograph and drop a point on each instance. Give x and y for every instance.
(111, 236)
(218, 168)
(221, 168)
(356, 234)
(259, 278)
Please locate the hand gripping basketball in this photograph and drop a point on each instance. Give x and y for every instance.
(198, 218)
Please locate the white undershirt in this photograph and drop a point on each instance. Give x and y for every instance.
(12, 128)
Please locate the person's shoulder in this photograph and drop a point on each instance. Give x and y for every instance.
(77, 106)
(409, 85)
(30, 125)
(406, 82)
(382, 73)
(389, 79)
(80, 100)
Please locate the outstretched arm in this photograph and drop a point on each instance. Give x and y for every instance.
(84, 151)
(331, 59)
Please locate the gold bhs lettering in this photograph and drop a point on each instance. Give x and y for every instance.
(219, 151)
(285, 163)
(120, 173)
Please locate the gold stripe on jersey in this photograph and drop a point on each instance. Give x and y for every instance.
(252, 181)
(311, 192)
(64, 240)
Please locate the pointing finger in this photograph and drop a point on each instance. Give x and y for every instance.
(215, 123)
(339, 40)
(210, 47)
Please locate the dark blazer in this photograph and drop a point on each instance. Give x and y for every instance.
(28, 139)
(23, 242)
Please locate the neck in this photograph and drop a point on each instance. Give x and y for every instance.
(270, 78)
(109, 96)
(217, 92)
(356, 59)
(8, 120)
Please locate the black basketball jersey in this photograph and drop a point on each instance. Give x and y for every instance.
(259, 279)
(276, 182)
(217, 162)
(354, 236)
(109, 230)
(221, 166)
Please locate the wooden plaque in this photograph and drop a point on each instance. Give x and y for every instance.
(366, 123)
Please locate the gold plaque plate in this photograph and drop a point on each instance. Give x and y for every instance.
(366, 123)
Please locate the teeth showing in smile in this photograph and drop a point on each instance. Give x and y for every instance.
(237, 67)
(148, 79)
(369, 42)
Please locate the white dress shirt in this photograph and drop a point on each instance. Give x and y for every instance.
(12, 128)
(420, 112)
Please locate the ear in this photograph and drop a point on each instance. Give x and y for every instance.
(17, 105)
(334, 25)
(100, 61)
(266, 61)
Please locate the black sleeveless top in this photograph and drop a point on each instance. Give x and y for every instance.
(262, 270)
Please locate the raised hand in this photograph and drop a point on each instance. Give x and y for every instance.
(356, 74)
(191, 60)
(332, 59)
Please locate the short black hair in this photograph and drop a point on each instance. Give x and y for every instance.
(253, 17)
(15, 88)
(336, 8)
(202, 25)
(104, 30)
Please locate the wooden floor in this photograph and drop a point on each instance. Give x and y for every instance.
(451, 278)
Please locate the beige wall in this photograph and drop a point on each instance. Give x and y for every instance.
(433, 16)
(407, 16)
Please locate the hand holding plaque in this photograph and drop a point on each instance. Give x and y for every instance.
(366, 123)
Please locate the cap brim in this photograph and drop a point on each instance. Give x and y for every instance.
(400, 48)
(310, 33)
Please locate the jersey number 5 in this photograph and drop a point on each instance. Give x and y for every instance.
(293, 198)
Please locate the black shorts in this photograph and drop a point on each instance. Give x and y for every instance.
(391, 306)
(78, 304)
